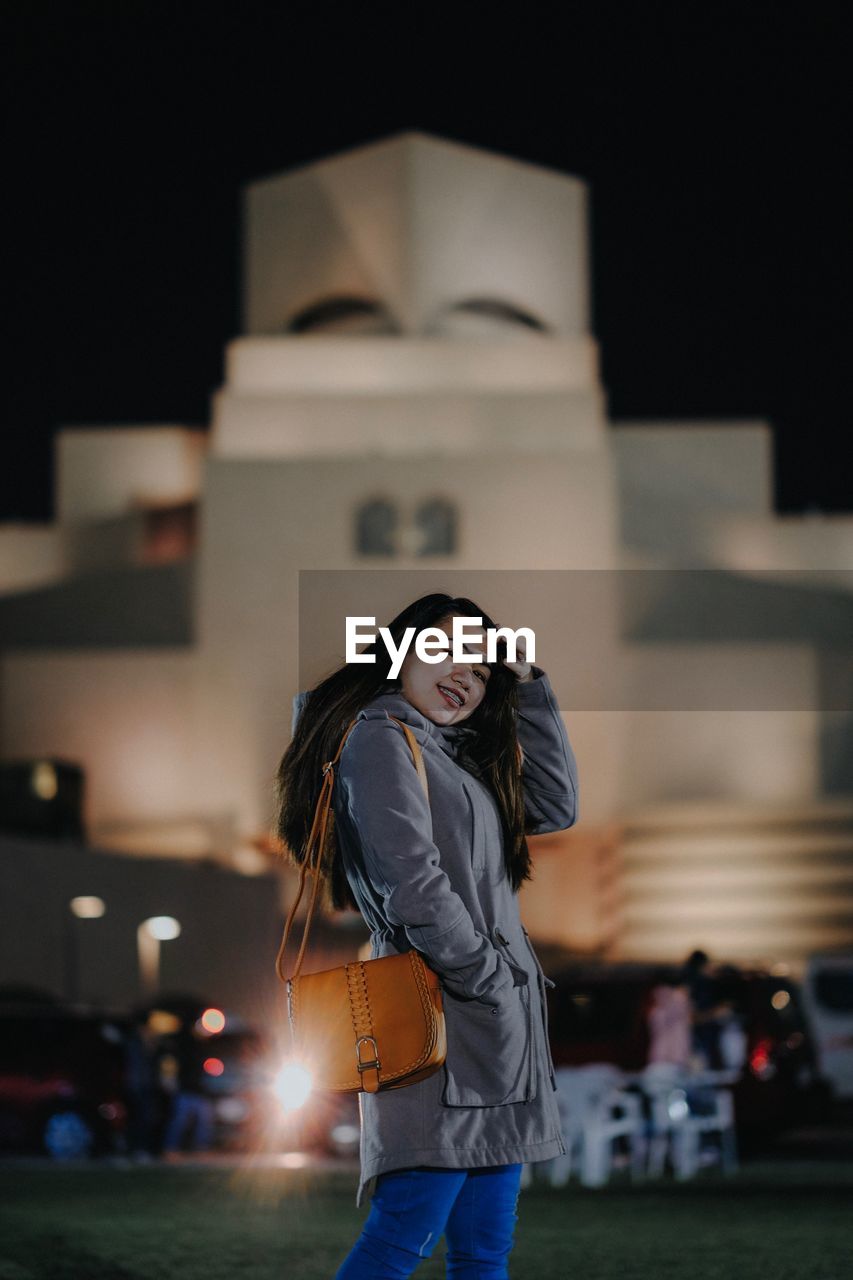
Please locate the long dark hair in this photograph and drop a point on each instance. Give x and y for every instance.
(491, 752)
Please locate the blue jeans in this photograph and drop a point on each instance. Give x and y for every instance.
(411, 1209)
(187, 1107)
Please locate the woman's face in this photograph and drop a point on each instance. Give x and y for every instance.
(446, 692)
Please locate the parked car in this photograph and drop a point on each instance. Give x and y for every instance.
(240, 1074)
(828, 1002)
(61, 1088)
(598, 1013)
(65, 1090)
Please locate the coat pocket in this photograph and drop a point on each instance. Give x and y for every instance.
(488, 1060)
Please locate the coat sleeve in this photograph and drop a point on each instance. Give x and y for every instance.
(390, 814)
(549, 770)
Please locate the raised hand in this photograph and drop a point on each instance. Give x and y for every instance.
(521, 669)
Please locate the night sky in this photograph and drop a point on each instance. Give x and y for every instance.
(715, 139)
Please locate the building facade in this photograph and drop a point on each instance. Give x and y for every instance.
(415, 404)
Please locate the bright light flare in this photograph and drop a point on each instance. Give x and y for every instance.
(88, 907)
(44, 781)
(214, 1066)
(677, 1106)
(760, 1060)
(213, 1021)
(292, 1160)
(346, 1135)
(163, 1023)
(163, 928)
(292, 1085)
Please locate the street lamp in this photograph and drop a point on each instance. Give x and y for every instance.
(84, 907)
(87, 907)
(149, 935)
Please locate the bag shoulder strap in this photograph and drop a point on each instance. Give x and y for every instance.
(315, 847)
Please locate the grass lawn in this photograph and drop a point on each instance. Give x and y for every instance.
(782, 1221)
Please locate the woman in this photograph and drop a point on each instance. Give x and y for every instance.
(444, 1155)
(668, 1021)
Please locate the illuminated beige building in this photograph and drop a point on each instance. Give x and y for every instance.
(417, 388)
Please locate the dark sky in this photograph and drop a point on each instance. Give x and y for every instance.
(715, 139)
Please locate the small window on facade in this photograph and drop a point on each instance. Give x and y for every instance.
(375, 528)
(436, 523)
(343, 315)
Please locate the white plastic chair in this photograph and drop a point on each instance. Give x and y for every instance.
(664, 1084)
(676, 1129)
(594, 1112)
(719, 1119)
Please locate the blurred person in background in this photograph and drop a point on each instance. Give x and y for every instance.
(732, 1040)
(190, 1120)
(143, 1089)
(669, 1021)
(708, 1011)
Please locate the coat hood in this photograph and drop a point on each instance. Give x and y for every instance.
(451, 738)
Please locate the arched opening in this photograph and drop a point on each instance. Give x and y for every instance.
(485, 318)
(343, 314)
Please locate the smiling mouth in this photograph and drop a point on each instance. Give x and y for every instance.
(452, 696)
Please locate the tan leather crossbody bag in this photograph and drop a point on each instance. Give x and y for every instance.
(371, 1024)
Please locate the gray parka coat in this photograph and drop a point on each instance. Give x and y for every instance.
(431, 876)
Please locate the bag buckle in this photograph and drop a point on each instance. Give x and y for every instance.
(366, 1066)
(330, 764)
